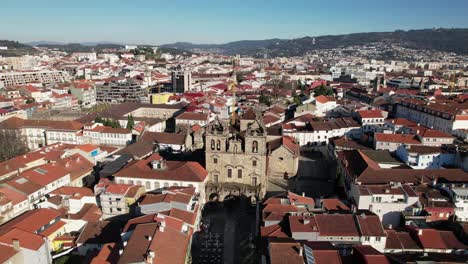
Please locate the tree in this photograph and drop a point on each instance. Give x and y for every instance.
(11, 144)
(130, 122)
(297, 100)
(263, 99)
(30, 101)
(322, 90)
(115, 124)
(98, 119)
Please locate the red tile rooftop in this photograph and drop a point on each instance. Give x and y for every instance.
(27, 240)
(397, 138)
(370, 113)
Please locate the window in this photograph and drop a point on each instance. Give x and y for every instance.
(255, 147)
(378, 199)
(239, 174)
(156, 185)
(377, 239)
(215, 161)
(229, 173)
(254, 163)
(254, 181)
(218, 145)
(366, 238)
(215, 178)
(212, 144)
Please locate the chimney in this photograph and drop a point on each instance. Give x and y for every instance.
(420, 232)
(149, 238)
(303, 194)
(300, 251)
(16, 244)
(162, 225)
(150, 256)
(120, 251)
(125, 243)
(306, 220)
(390, 226)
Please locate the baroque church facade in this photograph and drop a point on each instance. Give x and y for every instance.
(236, 161)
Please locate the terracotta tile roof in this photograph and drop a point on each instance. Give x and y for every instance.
(46, 174)
(280, 208)
(87, 147)
(368, 254)
(336, 225)
(111, 130)
(11, 195)
(431, 133)
(324, 252)
(27, 239)
(275, 231)
(285, 141)
(296, 199)
(285, 253)
(73, 192)
(109, 254)
(172, 246)
(370, 225)
(324, 99)
(303, 224)
(334, 204)
(437, 239)
(33, 220)
(139, 149)
(89, 213)
(53, 228)
(175, 170)
(397, 138)
(16, 123)
(370, 114)
(100, 233)
(187, 217)
(18, 162)
(249, 115)
(192, 116)
(164, 138)
(8, 252)
(138, 244)
(76, 165)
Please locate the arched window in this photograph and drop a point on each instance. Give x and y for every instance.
(212, 144)
(235, 149)
(218, 145)
(255, 147)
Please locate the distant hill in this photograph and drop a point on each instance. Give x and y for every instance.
(80, 47)
(449, 40)
(15, 48)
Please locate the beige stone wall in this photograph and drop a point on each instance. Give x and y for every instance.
(280, 161)
(220, 160)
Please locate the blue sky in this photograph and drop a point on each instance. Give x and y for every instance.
(210, 21)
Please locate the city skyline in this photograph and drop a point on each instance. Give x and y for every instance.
(211, 22)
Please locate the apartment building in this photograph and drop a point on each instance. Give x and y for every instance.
(116, 93)
(155, 173)
(306, 131)
(118, 199)
(22, 78)
(443, 115)
(85, 93)
(97, 134)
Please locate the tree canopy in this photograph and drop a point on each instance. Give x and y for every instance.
(322, 90)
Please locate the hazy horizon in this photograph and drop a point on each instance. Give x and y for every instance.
(215, 22)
